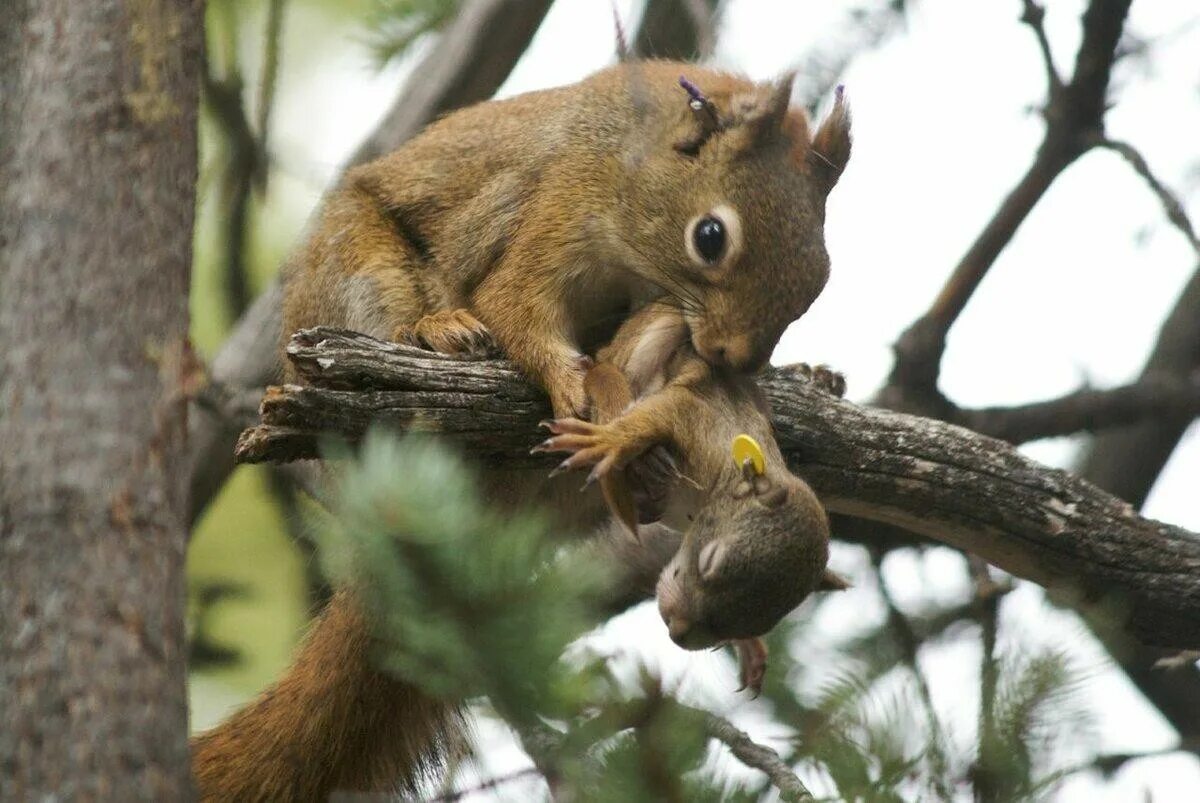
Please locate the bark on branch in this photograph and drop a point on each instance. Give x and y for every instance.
(939, 480)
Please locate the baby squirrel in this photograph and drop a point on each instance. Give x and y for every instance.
(545, 218)
(755, 536)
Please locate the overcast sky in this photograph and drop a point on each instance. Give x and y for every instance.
(943, 129)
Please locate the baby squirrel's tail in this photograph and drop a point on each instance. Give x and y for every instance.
(609, 394)
(332, 723)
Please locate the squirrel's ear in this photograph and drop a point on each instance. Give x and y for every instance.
(830, 149)
(832, 581)
(778, 100)
(712, 556)
(764, 116)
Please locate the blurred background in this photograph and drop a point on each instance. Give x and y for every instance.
(945, 98)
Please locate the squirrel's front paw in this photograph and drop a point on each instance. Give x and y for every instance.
(596, 445)
(820, 376)
(565, 388)
(450, 331)
(651, 476)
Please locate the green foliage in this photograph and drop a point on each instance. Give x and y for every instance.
(395, 25)
(470, 602)
(1038, 714)
(866, 731)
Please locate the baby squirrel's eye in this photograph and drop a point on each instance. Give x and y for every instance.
(708, 237)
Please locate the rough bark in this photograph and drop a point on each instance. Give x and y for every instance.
(1126, 462)
(473, 58)
(932, 478)
(97, 175)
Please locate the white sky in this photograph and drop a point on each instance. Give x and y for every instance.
(942, 131)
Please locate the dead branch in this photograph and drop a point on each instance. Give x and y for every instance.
(935, 479)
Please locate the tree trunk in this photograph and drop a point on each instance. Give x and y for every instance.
(98, 105)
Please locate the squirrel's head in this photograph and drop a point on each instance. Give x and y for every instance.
(731, 212)
(750, 557)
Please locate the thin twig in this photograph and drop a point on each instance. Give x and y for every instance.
(987, 598)
(1170, 202)
(1034, 16)
(906, 637)
(266, 88)
(758, 756)
(485, 786)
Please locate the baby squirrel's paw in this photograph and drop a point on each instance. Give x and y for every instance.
(449, 331)
(651, 476)
(596, 445)
(752, 662)
(821, 376)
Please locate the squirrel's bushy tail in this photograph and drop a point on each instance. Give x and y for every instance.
(331, 723)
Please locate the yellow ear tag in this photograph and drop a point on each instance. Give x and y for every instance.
(746, 447)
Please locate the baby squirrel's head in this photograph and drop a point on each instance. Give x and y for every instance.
(730, 212)
(750, 557)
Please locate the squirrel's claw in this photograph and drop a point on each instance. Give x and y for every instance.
(449, 331)
(588, 445)
(752, 663)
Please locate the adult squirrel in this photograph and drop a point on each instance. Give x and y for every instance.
(542, 220)
(755, 536)
(547, 217)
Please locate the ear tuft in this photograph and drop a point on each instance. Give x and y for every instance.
(765, 118)
(832, 581)
(830, 149)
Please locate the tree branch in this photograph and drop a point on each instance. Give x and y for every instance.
(1034, 15)
(1074, 116)
(1088, 410)
(935, 479)
(1171, 204)
(757, 756)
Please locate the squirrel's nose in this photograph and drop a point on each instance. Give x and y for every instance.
(678, 628)
(736, 352)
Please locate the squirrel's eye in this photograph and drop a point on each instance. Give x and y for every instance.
(709, 238)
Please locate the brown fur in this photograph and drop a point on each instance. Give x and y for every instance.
(550, 214)
(332, 723)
